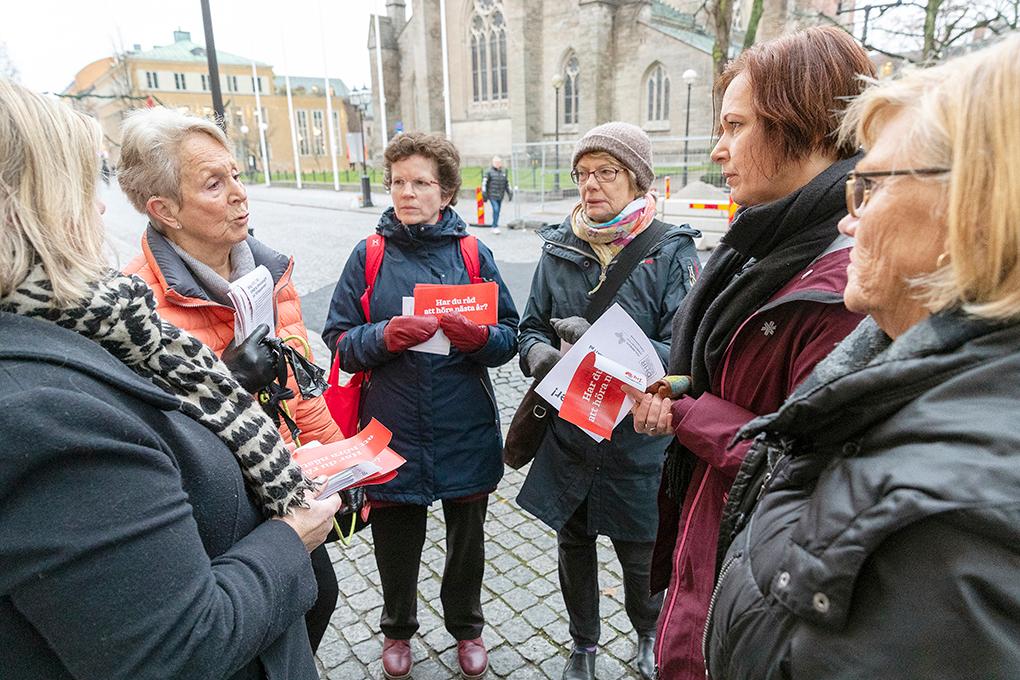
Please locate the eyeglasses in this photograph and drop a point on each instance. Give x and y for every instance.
(418, 185)
(859, 185)
(602, 175)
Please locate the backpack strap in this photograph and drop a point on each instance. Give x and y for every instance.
(469, 251)
(375, 247)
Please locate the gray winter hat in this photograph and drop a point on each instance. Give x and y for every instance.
(628, 143)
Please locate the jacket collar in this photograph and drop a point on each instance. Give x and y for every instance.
(450, 225)
(561, 240)
(176, 276)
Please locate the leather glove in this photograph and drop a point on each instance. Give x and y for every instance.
(571, 328)
(402, 332)
(253, 362)
(541, 358)
(464, 334)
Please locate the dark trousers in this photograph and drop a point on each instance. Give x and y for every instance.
(579, 580)
(496, 205)
(399, 534)
(317, 618)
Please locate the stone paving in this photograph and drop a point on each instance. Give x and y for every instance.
(526, 626)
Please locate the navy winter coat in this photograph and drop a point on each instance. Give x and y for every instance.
(441, 409)
(619, 477)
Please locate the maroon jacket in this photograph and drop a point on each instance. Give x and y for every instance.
(769, 355)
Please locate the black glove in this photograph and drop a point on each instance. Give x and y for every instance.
(253, 362)
(570, 329)
(540, 359)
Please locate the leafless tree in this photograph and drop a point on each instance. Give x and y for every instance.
(7, 67)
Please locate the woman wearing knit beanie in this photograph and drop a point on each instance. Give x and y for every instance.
(578, 487)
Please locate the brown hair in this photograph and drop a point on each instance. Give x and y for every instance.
(800, 85)
(434, 147)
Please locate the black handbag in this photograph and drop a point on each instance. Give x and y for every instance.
(530, 421)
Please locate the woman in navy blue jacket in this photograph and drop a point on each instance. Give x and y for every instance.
(441, 409)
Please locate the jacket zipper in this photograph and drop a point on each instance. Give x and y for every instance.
(676, 560)
(711, 606)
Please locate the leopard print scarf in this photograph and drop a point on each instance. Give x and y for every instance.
(120, 315)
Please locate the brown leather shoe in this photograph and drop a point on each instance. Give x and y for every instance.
(473, 659)
(396, 659)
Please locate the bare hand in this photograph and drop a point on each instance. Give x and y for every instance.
(313, 523)
(653, 414)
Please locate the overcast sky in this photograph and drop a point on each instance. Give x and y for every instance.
(50, 40)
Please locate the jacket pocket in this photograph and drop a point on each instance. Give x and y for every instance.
(492, 401)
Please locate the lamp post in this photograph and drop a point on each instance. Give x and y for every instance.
(557, 83)
(360, 99)
(689, 76)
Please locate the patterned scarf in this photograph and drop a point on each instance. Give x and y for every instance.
(120, 316)
(607, 239)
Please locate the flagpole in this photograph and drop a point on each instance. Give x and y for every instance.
(329, 102)
(446, 70)
(384, 129)
(261, 124)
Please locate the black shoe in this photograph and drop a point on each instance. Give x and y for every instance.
(580, 666)
(645, 660)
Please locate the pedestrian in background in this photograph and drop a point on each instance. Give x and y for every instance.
(767, 308)
(580, 488)
(177, 170)
(495, 185)
(152, 524)
(886, 541)
(441, 408)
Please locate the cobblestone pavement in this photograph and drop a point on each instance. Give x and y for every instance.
(526, 626)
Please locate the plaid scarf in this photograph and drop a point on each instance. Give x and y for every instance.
(607, 239)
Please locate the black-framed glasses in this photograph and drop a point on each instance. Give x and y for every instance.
(602, 175)
(859, 185)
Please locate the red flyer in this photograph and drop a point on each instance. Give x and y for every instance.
(479, 302)
(362, 459)
(593, 399)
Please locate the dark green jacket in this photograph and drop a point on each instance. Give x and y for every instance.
(620, 477)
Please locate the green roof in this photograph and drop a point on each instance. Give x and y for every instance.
(309, 82)
(184, 50)
(682, 26)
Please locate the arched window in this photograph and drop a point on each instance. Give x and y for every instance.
(488, 51)
(571, 69)
(657, 90)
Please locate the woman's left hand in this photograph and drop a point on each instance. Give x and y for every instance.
(653, 414)
(464, 334)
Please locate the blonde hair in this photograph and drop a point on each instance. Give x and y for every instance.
(150, 163)
(49, 166)
(963, 119)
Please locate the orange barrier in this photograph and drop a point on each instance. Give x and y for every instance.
(733, 209)
(667, 187)
(481, 206)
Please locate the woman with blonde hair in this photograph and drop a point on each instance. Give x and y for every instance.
(136, 476)
(886, 540)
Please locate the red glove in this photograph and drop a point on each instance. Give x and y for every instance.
(464, 334)
(402, 332)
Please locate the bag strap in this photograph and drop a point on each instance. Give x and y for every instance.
(469, 251)
(375, 248)
(627, 260)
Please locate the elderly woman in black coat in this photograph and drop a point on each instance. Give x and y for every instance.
(152, 524)
(886, 541)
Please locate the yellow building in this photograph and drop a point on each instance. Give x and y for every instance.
(177, 76)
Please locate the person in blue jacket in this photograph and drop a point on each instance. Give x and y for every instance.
(441, 408)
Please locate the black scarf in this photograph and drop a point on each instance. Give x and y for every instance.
(765, 247)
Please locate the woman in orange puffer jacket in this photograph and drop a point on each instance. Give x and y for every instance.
(177, 169)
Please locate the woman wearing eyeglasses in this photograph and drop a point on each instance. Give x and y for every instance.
(580, 488)
(440, 408)
(767, 308)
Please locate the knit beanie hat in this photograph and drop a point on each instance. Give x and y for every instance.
(628, 143)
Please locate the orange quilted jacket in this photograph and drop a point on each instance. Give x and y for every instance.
(181, 300)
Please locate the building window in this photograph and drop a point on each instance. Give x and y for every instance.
(302, 132)
(152, 80)
(256, 84)
(318, 133)
(488, 51)
(570, 95)
(205, 82)
(179, 82)
(657, 91)
(336, 131)
(231, 83)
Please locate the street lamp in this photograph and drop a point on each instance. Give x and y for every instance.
(557, 83)
(360, 99)
(689, 76)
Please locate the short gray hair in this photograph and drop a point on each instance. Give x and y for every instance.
(150, 163)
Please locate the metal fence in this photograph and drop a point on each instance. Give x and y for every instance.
(543, 168)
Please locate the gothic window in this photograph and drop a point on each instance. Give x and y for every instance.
(657, 89)
(570, 95)
(488, 51)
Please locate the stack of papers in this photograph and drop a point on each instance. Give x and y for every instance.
(479, 302)
(360, 460)
(252, 297)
